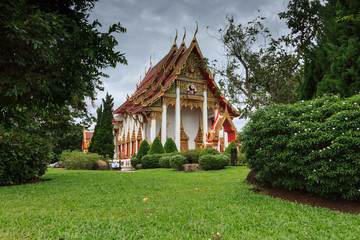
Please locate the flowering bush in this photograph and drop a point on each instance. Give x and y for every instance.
(312, 145)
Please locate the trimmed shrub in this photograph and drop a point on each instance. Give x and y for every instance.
(151, 161)
(23, 156)
(143, 150)
(214, 162)
(170, 146)
(312, 145)
(156, 147)
(177, 161)
(134, 161)
(231, 145)
(164, 161)
(78, 160)
(241, 160)
(193, 155)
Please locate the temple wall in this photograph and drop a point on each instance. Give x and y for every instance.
(190, 121)
(147, 132)
(170, 122)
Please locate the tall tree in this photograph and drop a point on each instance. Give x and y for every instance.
(331, 51)
(257, 73)
(51, 56)
(103, 139)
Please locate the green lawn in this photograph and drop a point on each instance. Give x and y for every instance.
(109, 205)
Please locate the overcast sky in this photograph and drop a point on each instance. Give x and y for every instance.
(151, 31)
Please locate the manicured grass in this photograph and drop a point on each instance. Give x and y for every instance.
(109, 205)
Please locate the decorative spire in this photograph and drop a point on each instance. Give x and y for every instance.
(127, 97)
(140, 78)
(183, 43)
(145, 70)
(174, 44)
(150, 62)
(197, 25)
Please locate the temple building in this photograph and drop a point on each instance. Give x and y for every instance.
(87, 135)
(179, 99)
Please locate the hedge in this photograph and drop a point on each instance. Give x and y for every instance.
(164, 161)
(312, 145)
(177, 161)
(193, 155)
(78, 160)
(23, 156)
(151, 161)
(214, 162)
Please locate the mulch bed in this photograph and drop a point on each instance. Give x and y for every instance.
(306, 198)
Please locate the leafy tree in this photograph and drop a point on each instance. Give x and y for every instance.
(103, 142)
(170, 146)
(156, 147)
(257, 74)
(51, 56)
(143, 149)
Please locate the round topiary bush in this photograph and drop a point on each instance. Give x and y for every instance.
(156, 147)
(170, 146)
(312, 145)
(164, 161)
(134, 161)
(231, 145)
(177, 161)
(23, 156)
(213, 162)
(151, 161)
(143, 150)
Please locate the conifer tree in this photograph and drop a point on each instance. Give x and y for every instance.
(231, 145)
(143, 149)
(170, 146)
(156, 147)
(103, 143)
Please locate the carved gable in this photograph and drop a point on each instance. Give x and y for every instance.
(192, 68)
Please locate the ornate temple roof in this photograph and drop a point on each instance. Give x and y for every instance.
(160, 78)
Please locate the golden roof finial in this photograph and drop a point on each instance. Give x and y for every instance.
(197, 26)
(183, 43)
(145, 70)
(150, 62)
(175, 37)
(127, 97)
(137, 86)
(140, 78)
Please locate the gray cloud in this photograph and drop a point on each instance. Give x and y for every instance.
(151, 30)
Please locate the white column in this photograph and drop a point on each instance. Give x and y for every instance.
(177, 118)
(205, 116)
(226, 141)
(116, 147)
(163, 125)
(153, 130)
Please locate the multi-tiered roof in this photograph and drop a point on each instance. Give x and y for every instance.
(160, 78)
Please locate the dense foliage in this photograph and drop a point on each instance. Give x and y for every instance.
(229, 147)
(143, 150)
(102, 141)
(193, 155)
(78, 160)
(164, 161)
(330, 48)
(170, 146)
(214, 162)
(151, 160)
(52, 56)
(312, 145)
(177, 161)
(23, 156)
(156, 147)
(134, 160)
